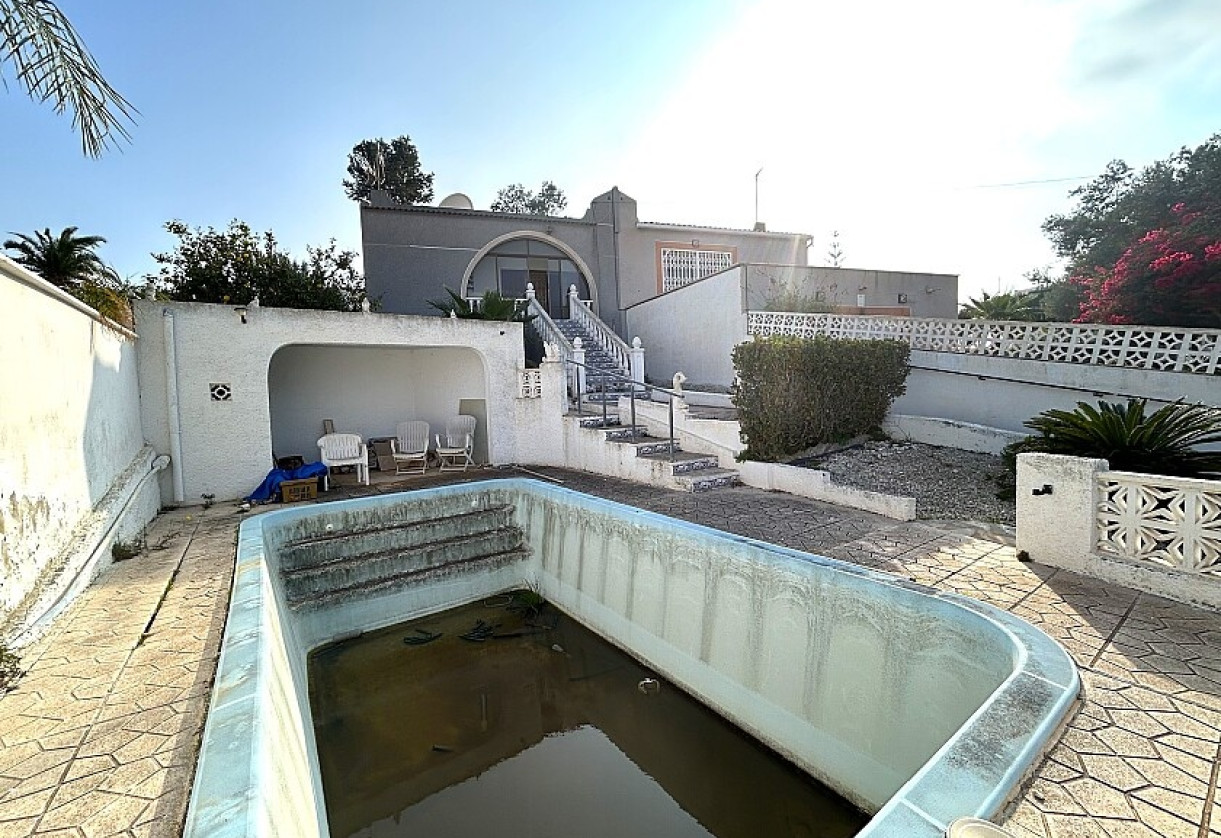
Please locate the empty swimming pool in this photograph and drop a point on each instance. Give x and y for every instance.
(917, 706)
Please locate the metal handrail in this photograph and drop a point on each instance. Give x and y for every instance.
(631, 395)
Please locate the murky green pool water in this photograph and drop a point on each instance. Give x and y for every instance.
(538, 731)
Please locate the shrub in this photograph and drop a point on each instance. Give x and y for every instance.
(1162, 442)
(10, 667)
(794, 393)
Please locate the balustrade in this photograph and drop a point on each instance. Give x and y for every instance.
(1138, 347)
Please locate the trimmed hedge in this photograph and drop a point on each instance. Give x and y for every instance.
(795, 393)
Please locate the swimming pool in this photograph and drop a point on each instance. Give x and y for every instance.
(918, 706)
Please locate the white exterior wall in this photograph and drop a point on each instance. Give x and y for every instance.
(367, 391)
(226, 446)
(693, 329)
(1060, 528)
(69, 434)
(1004, 392)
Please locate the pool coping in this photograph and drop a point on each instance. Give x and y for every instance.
(234, 752)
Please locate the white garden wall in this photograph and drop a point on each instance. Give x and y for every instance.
(71, 448)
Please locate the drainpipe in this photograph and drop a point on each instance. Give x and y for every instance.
(615, 239)
(171, 392)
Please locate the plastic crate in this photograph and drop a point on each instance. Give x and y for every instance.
(292, 491)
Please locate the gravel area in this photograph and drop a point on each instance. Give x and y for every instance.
(947, 484)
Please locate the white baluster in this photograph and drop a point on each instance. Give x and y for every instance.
(637, 365)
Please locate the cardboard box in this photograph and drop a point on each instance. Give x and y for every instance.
(383, 451)
(292, 491)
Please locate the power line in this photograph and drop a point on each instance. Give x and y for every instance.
(1029, 182)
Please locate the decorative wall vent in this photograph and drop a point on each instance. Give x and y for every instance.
(221, 392)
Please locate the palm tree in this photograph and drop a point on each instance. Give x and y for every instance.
(53, 65)
(1011, 305)
(66, 260)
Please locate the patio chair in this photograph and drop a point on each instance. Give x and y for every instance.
(344, 450)
(455, 453)
(410, 448)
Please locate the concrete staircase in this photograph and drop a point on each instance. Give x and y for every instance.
(686, 470)
(600, 385)
(324, 568)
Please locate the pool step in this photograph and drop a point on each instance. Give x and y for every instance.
(407, 576)
(355, 570)
(327, 547)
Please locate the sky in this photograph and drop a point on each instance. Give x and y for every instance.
(933, 136)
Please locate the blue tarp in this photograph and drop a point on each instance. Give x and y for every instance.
(270, 487)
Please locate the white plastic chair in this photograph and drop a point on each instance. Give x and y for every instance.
(455, 453)
(344, 450)
(410, 448)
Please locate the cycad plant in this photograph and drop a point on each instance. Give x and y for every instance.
(1011, 305)
(492, 307)
(1165, 441)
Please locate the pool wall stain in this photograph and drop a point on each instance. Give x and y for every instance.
(919, 706)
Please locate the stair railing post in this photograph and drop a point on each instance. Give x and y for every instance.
(578, 355)
(637, 361)
(671, 428)
(529, 290)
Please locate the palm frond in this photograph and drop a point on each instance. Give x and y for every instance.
(53, 65)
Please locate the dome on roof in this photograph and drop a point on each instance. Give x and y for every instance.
(457, 201)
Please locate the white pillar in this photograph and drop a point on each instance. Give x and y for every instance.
(529, 290)
(1057, 505)
(578, 355)
(637, 359)
(573, 301)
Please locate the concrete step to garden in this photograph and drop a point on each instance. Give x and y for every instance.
(610, 421)
(322, 549)
(707, 479)
(625, 433)
(362, 570)
(685, 462)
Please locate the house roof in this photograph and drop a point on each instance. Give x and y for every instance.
(711, 229)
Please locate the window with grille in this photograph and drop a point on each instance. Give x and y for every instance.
(683, 265)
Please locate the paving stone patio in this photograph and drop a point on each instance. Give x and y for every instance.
(100, 737)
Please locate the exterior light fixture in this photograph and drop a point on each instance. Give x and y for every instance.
(928, 289)
(241, 312)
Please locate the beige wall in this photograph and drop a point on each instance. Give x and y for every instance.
(69, 434)
(927, 295)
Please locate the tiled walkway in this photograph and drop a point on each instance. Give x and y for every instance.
(100, 737)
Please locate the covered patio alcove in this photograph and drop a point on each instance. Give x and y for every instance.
(368, 390)
(224, 391)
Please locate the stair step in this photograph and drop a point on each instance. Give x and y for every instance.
(324, 548)
(707, 479)
(685, 462)
(598, 422)
(654, 445)
(626, 433)
(366, 569)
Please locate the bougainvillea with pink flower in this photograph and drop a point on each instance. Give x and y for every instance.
(1144, 247)
(1171, 276)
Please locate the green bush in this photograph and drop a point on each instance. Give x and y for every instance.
(10, 667)
(794, 393)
